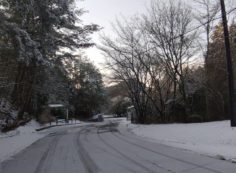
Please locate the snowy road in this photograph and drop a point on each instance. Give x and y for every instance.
(107, 148)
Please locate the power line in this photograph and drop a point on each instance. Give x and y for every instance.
(191, 30)
(203, 24)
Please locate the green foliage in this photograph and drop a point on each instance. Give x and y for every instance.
(120, 108)
(59, 113)
(37, 40)
(199, 103)
(217, 83)
(90, 93)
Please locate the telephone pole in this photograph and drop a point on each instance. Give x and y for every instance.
(229, 66)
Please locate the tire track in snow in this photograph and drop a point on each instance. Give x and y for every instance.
(50, 150)
(122, 137)
(119, 152)
(88, 162)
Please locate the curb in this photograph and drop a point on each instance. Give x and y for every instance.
(48, 127)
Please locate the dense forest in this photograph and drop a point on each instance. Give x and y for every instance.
(41, 62)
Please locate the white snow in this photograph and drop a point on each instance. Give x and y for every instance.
(14, 141)
(55, 105)
(62, 122)
(215, 139)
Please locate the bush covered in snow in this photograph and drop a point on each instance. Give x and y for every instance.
(8, 116)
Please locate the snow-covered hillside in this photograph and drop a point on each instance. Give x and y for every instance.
(216, 139)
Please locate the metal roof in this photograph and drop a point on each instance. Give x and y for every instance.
(55, 105)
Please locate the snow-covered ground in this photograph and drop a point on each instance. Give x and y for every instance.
(14, 141)
(17, 140)
(215, 139)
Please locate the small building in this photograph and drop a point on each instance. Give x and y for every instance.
(131, 114)
(57, 106)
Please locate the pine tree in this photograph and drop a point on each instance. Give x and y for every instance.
(39, 34)
(217, 74)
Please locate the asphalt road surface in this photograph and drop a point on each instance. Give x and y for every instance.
(107, 148)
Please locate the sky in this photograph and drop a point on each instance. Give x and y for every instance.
(103, 13)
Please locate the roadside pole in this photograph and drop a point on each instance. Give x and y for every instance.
(229, 66)
(67, 115)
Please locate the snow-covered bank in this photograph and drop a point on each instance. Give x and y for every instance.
(14, 141)
(216, 139)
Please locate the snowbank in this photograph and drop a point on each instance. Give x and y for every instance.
(216, 139)
(7, 113)
(14, 141)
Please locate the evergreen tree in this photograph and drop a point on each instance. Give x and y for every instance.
(90, 94)
(39, 34)
(217, 74)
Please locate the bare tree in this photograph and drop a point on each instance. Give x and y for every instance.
(168, 27)
(151, 54)
(206, 15)
(133, 61)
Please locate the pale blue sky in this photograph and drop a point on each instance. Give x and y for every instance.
(103, 12)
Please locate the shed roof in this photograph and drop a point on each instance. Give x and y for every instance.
(55, 105)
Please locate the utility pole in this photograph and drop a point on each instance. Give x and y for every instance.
(229, 66)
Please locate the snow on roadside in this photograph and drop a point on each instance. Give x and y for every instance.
(215, 139)
(14, 141)
(62, 122)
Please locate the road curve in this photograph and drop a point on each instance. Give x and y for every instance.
(108, 148)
